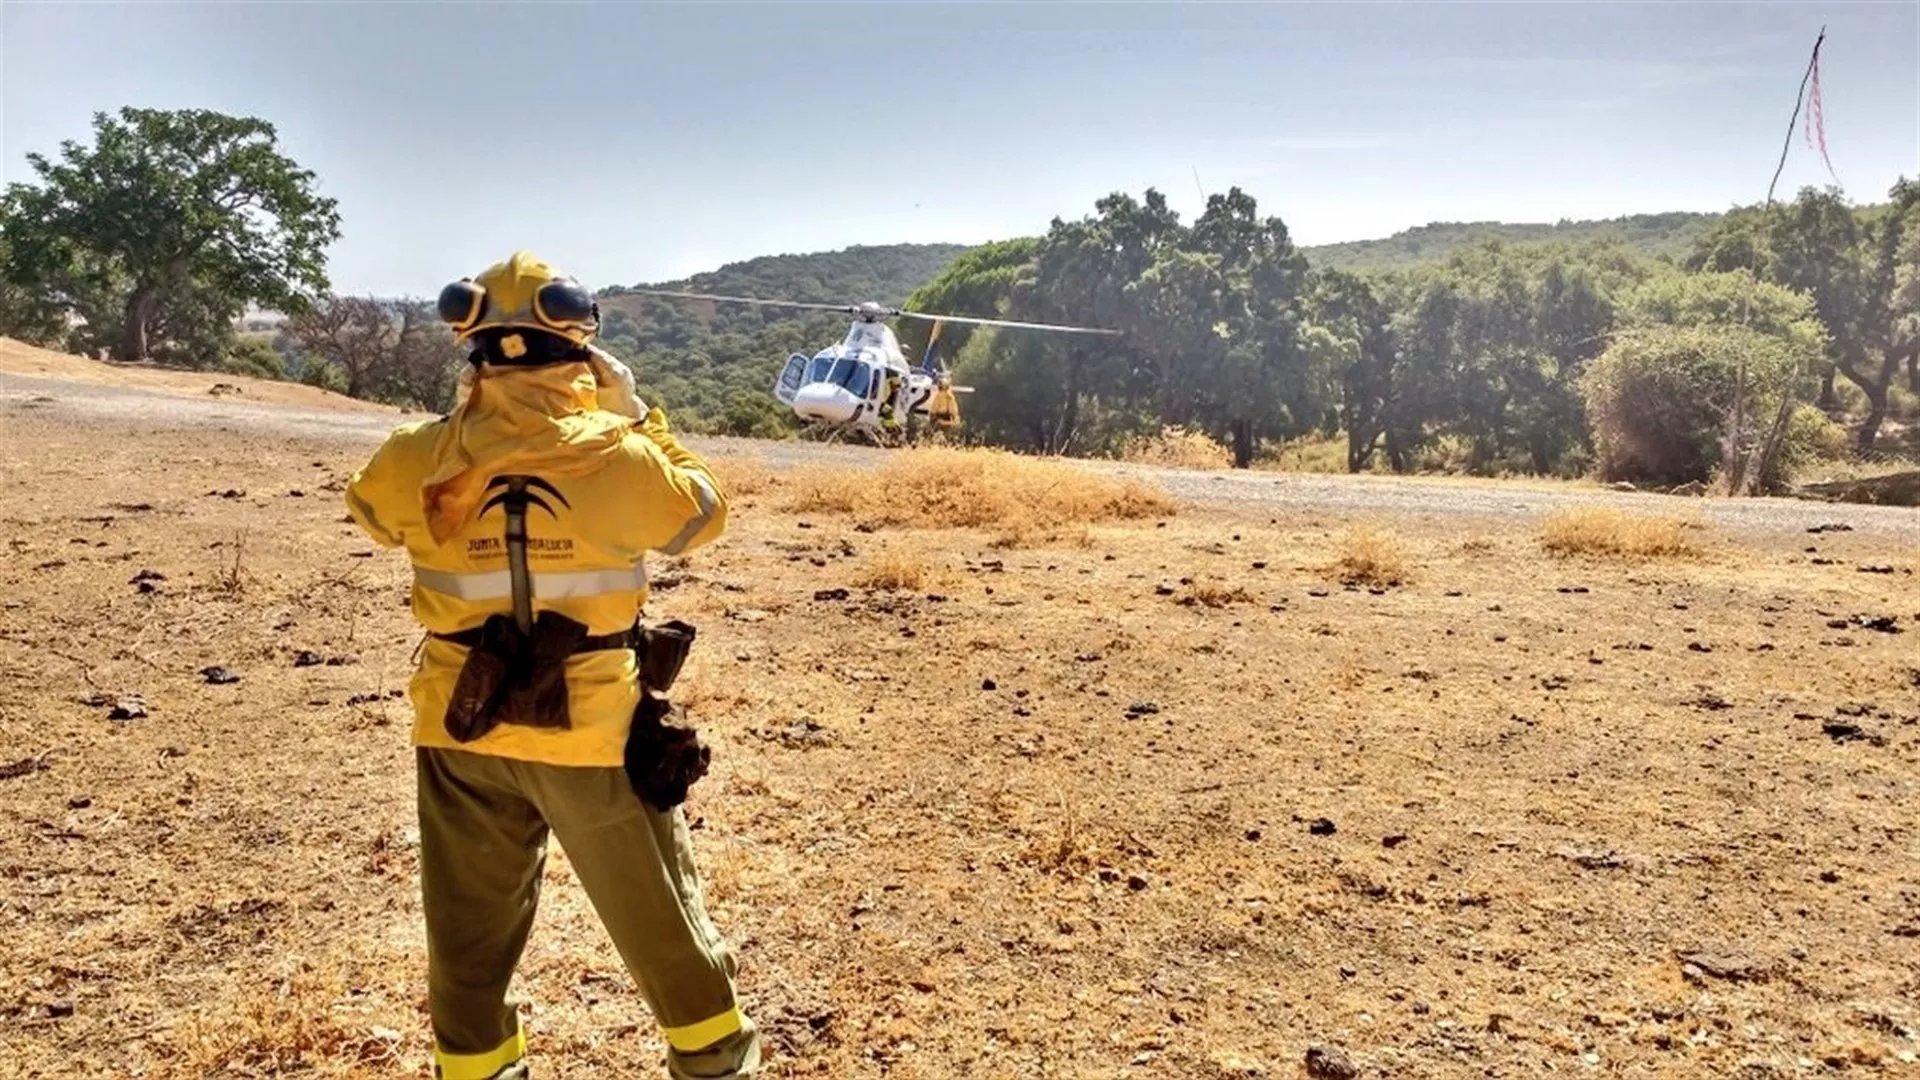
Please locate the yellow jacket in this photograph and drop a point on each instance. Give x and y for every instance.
(616, 490)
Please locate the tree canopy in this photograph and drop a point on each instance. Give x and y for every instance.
(158, 235)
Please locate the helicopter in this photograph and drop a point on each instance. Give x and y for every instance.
(863, 385)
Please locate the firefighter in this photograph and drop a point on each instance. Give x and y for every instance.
(943, 409)
(527, 512)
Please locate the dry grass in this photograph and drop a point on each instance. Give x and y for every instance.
(1176, 447)
(742, 476)
(1024, 499)
(1052, 813)
(291, 1028)
(1371, 556)
(1607, 532)
(891, 572)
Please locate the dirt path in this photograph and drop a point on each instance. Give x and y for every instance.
(1400, 498)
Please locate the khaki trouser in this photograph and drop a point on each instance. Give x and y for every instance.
(484, 822)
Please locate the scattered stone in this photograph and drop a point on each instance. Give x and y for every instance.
(147, 580)
(1731, 967)
(1624, 485)
(1137, 882)
(829, 595)
(1842, 731)
(24, 767)
(1321, 827)
(79, 802)
(1831, 527)
(1393, 840)
(1711, 702)
(1318, 593)
(122, 706)
(1876, 568)
(222, 389)
(1830, 877)
(1328, 1063)
(1163, 589)
(59, 1010)
(307, 658)
(1142, 708)
(1555, 682)
(1574, 589)
(748, 615)
(804, 732)
(1699, 646)
(1690, 489)
(219, 676)
(989, 685)
(1589, 859)
(1253, 835)
(372, 698)
(230, 493)
(1885, 624)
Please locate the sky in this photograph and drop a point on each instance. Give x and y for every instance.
(630, 142)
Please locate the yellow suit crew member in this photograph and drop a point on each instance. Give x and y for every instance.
(527, 513)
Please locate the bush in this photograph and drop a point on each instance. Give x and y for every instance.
(1604, 531)
(1176, 447)
(251, 356)
(1657, 399)
(1024, 499)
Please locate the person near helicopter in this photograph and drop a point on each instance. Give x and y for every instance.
(943, 408)
(534, 698)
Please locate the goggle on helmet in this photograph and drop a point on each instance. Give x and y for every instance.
(522, 291)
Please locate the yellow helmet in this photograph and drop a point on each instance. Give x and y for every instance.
(523, 291)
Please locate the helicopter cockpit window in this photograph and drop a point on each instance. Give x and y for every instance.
(821, 368)
(853, 375)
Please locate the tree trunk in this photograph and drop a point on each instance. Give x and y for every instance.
(1876, 390)
(1829, 401)
(1396, 453)
(1876, 414)
(1913, 369)
(1242, 444)
(133, 339)
(1360, 450)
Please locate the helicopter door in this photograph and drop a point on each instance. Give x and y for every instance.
(791, 378)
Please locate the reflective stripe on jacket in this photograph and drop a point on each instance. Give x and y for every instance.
(606, 492)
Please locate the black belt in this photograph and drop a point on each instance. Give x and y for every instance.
(624, 639)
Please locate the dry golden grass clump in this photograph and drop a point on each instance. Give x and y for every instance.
(742, 475)
(1370, 555)
(1022, 497)
(891, 572)
(1176, 447)
(1599, 530)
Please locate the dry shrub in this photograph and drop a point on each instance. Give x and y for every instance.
(1176, 447)
(1025, 499)
(1600, 530)
(295, 1028)
(891, 572)
(1215, 595)
(742, 475)
(1370, 555)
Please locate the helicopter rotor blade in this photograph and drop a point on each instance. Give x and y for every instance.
(1004, 322)
(845, 309)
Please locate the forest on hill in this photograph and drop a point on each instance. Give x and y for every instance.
(1669, 236)
(1664, 347)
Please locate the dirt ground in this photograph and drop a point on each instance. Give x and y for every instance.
(18, 358)
(1159, 799)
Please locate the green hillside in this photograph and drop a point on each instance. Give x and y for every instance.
(882, 273)
(1669, 235)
